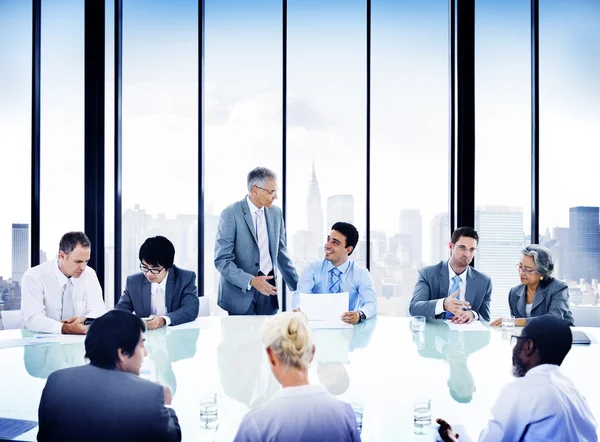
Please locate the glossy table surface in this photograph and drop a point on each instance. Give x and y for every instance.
(380, 364)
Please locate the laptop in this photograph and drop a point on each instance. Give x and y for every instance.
(580, 337)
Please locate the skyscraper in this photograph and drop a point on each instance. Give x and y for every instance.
(501, 239)
(410, 226)
(584, 243)
(560, 252)
(314, 218)
(20, 251)
(340, 208)
(440, 237)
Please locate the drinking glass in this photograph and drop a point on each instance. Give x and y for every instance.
(508, 323)
(208, 411)
(418, 323)
(422, 415)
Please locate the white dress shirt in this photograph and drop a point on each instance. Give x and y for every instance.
(42, 289)
(544, 405)
(253, 210)
(158, 302)
(462, 285)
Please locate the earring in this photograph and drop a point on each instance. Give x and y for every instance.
(541, 277)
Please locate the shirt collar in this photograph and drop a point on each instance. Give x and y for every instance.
(452, 273)
(162, 284)
(253, 208)
(301, 390)
(342, 267)
(60, 276)
(542, 369)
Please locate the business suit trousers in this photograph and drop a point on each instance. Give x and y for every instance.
(262, 304)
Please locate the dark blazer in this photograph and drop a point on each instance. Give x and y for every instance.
(237, 255)
(551, 298)
(181, 296)
(433, 284)
(93, 404)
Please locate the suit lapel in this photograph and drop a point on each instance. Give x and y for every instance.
(271, 233)
(471, 290)
(146, 298)
(540, 295)
(248, 218)
(170, 289)
(444, 284)
(521, 299)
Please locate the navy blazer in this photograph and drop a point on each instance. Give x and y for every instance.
(181, 297)
(551, 298)
(433, 284)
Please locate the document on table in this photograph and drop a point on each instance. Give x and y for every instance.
(325, 310)
(60, 339)
(472, 327)
(11, 428)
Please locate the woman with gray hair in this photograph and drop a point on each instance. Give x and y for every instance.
(539, 293)
(299, 412)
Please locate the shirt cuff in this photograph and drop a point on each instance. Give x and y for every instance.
(439, 307)
(249, 284)
(167, 320)
(475, 314)
(57, 328)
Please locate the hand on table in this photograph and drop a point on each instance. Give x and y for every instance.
(155, 322)
(465, 317)
(446, 432)
(74, 326)
(351, 317)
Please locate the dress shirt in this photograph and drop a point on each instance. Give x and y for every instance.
(300, 414)
(439, 307)
(528, 308)
(42, 289)
(543, 405)
(355, 280)
(253, 210)
(158, 302)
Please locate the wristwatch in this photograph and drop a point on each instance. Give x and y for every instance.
(362, 316)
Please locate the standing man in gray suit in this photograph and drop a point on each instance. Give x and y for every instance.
(452, 289)
(250, 245)
(106, 400)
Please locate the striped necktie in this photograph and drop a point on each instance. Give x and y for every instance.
(334, 280)
(455, 287)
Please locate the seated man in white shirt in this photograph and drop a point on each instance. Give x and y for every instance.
(58, 295)
(543, 404)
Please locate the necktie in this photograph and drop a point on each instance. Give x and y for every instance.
(263, 242)
(334, 280)
(159, 308)
(455, 287)
(67, 300)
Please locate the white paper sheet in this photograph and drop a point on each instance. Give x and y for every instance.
(61, 339)
(324, 306)
(473, 326)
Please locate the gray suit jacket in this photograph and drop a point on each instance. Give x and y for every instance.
(551, 299)
(433, 284)
(93, 404)
(237, 255)
(181, 297)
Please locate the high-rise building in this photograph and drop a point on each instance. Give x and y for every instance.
(560, 252)
(501, 240)
(584, 243)
(440, 237)
(20, 251)
(411, 227)
(314, 218)
(340, 208)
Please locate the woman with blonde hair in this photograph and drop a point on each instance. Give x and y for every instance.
(299, 412)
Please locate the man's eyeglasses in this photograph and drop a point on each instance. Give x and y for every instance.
(147, 269)
(270, 192)
(464, 249)
(520, 269)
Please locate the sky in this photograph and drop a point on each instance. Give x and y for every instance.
(326, 108)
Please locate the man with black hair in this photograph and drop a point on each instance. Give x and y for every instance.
(106, 400)
(542, 404)
(162, 293)
(337, 274)
(58, 295)
(453, 289)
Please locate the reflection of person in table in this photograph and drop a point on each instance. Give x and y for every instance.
(333, 375)
(42, 360)
(243, 366)
(454, 347)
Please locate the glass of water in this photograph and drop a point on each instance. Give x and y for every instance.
(508, 323)
(422, 415)
(358, 414)
(418, 323)
(208, 411)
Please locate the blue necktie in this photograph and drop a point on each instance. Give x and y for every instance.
(455, 287)
(334, 280)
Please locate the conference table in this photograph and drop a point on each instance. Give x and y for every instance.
(380, 364)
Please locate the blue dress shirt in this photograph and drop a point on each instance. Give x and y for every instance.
(355, 280)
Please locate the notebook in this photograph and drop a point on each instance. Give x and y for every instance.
(580, 337)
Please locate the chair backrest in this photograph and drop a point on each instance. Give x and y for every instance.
(586, 316)
(204, 306)
(12, 319)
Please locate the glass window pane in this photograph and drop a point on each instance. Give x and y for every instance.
(62, 122)
(503, 142)
(160, 128)
(15, 148)
(243, 82)
(569, 139)
(326, 124)
(409, 146)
